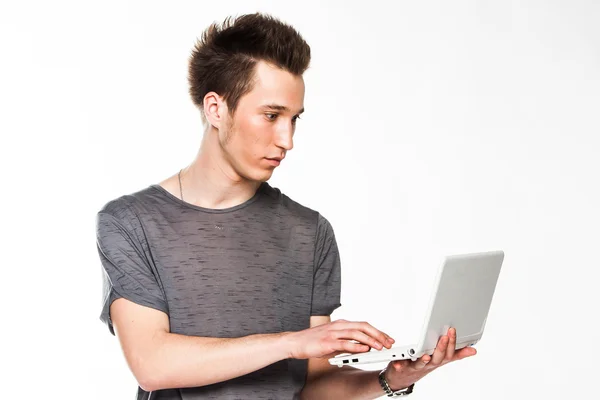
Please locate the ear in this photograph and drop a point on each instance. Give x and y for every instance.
(215, 109)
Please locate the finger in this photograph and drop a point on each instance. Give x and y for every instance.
(347, 346)
(368, 329)
(440, 351)
(464, 353)
(381, 336)
(334, 354)
(451, 344)
(421, 362)
(378, 335)
(358, 335)
(400, 364)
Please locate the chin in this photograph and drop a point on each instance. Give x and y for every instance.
(259, 175)
(265, 176)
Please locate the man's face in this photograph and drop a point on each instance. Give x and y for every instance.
(264, 123)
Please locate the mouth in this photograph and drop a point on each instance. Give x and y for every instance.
(274, 161)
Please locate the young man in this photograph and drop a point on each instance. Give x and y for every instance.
(218, 285)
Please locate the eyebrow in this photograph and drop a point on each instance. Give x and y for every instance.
(279, 107)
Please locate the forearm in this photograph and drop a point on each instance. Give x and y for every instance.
(186, 361)
(345, 383)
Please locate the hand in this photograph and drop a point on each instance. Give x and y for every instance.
(403, 373)
(330, 339)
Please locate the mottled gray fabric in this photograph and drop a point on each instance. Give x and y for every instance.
(263, 266)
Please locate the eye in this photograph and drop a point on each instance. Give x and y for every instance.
(295, 118)
(271, 115)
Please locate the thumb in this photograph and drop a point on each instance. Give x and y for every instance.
(334, 354)
(337, 353)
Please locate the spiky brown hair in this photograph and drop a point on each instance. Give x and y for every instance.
(224, 59)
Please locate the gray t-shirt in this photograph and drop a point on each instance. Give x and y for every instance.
(263, 266)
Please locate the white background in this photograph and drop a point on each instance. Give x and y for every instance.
(431, 128)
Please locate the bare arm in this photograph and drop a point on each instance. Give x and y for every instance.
(345, 383)
(160, 359)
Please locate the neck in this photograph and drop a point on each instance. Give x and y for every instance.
(210, 181)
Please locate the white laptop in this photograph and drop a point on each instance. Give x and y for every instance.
(461, 299)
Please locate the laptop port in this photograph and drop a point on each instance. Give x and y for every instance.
(355, 360)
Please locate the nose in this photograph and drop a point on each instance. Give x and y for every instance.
(285, 138)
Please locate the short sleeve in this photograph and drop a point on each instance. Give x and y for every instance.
(126, 271)
(327, 270)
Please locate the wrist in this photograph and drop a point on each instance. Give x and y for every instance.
(286, 344)
(399, 388)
